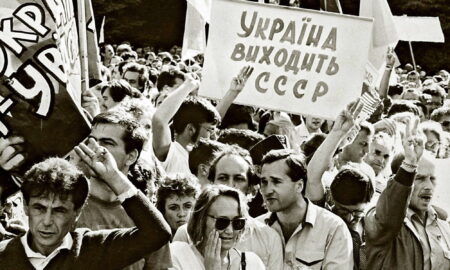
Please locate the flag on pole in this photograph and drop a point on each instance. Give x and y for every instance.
(94, 62)
(197, 15)
(384, 30)
(101, 38)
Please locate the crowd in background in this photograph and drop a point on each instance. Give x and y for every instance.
(239, 187)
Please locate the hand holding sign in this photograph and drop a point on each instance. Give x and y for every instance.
(238, 83)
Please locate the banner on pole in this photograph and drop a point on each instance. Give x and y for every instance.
(305, 61)
(40, 77)
(94, 62)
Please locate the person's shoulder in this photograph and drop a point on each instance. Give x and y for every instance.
(262, 218)
(327, 218)
(261, 227)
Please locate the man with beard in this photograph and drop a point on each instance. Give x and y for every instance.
(193, 118)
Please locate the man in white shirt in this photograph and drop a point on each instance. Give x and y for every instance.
(310, 125)
(193, 118)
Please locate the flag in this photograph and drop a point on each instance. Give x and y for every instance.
(40, 78)
(331, 6)
(94, 62)
(384, 30)
(101, 38)
(194, 39)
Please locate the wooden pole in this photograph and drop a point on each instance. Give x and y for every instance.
(412, 55)
(83, 44)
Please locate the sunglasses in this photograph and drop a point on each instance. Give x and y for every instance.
(223, 223)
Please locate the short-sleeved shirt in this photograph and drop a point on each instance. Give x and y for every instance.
(322, 241)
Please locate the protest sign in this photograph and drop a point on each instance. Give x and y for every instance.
(40, 77)
(422, 29)
(305, 61)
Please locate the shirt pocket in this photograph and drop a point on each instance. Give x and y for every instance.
(309, 259)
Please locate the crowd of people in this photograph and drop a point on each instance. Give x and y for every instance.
(170, 180)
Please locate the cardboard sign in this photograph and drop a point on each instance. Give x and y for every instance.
(39, 77)
(305, 61)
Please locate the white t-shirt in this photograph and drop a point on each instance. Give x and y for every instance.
(187, 257)
(177, 160)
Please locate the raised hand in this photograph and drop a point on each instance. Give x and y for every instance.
(212, 251)
(10, 152)
(238, 82)
(413, 143)
(387, 125)
(390, 58)
(98, 159)
(346, 119)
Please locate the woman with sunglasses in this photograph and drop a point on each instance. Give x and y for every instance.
(216, 224)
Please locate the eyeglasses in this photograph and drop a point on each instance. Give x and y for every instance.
(341, 211)
(223, 223)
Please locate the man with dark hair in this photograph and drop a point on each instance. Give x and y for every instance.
(169, 80)
(193, 118)
(200, 158)
(242, 137)
(442, 116)
(124, 137)
(238, 117)
(116, 91)
(402, 106)
(233, 167)
(137, 76)
(312, 236)
(54, 193)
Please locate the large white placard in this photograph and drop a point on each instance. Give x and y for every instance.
(305, 61)
(424, 29)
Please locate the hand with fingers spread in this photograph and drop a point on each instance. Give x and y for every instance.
(98, 159)
(103, 164)
(212, 251)
(238, 83)
(413, 142)
(11, 152)
(346, 119)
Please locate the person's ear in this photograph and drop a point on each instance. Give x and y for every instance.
(132, 157)
(203, 170)
(299, 186)
(191, 129)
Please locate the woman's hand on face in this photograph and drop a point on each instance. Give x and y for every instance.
(212, 251)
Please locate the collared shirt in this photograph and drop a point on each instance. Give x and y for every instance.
(40, 261)
(434, 246)
(322, 241)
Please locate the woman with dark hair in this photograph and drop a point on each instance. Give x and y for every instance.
(176, 198)
(216, 224)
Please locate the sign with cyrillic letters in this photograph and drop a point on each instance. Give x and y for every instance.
(305, 61)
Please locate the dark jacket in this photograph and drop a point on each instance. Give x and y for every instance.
(390, 242)
(103, 249)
